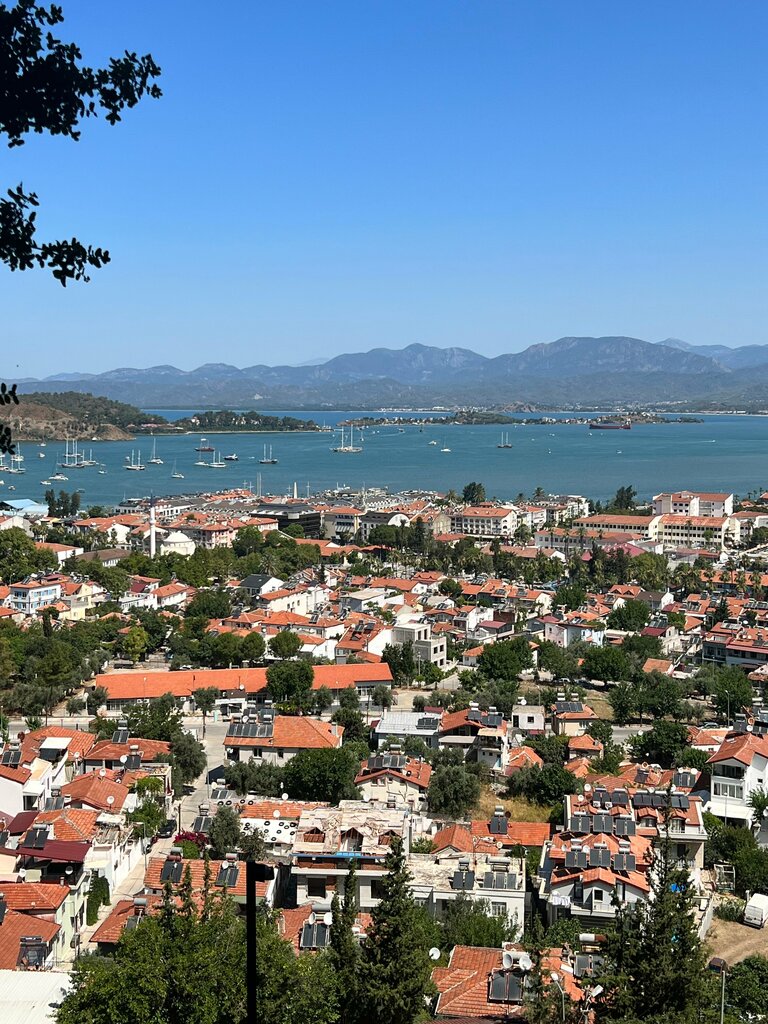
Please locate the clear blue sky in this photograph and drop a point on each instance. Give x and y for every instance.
(322, 177)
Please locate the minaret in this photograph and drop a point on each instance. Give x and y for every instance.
(152, 532)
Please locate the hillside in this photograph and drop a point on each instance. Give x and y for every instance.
(572, 372)
(72, 414)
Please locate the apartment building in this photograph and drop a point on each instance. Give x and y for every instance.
(487, 520)
(427, 647)
(693, 503)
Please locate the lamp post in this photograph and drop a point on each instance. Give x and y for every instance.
(720, 966)
(555, 978)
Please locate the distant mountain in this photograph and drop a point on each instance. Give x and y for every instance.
(568, 373)
(731, 358)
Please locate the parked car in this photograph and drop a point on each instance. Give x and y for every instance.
(167, 829)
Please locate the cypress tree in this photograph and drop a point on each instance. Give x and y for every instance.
(344, 951)
(656, 959)
(395, 969)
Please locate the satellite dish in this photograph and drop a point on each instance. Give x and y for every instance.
(245, 718)
(284, 796)
(507, 960)
(275, 813)
(312, 918)
(110, 800)
(328, 919)
(554, 976)
(123, 758)
(434, 953)
(525, 962)
(102, 772)
(522, 702)
(587, 787)
(750, 727)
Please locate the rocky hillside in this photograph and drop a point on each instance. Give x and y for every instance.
(58, 416)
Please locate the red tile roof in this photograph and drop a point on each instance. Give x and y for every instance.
(294, 733)
(91, 789)
(33, 897)
(522, 833)
(197, 871)
(106, 750)
(13, 928)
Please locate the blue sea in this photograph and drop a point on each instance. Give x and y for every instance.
(727, 453)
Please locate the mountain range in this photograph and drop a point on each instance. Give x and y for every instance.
(567, 373)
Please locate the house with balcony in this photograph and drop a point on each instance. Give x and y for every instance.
(30, 596)
(427, 647)
(393, 780)
(481, 736)
(737, 769)
(329, 837)
(399, 726)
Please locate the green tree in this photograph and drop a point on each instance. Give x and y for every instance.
(661, 744)
(453, 791)
(75, 705)
(323, 699)
(570, 595)
(396, 970)
(382, 696)
(546, 785)
(655, 958)
(210, 604)
(19, 557)
(205, 701)
(606, 663)
(224, 833)
(95, 698)
(290, 681)
(467, 922)
(344, 951)
(188, 757)
(631, 616)
(252, 648)
(473, 493)
(135, 643)
(747, 987)
(285, 644)
(624, 500)
(505, 659)
(322, 774)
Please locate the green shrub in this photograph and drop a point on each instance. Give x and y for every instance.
(730, 910)
(98, 896)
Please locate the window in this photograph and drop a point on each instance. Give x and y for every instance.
(729, 790)
(316, 888)
(498, 909)
(598, 896)
(377, 888)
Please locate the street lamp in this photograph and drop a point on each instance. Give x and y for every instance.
(555, 978)
(720, 966)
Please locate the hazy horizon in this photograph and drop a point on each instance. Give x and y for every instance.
(322, 179)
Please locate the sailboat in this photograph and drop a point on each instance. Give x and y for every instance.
(217, 462)
(268, 460)
(16, 464)
(102, 470)
(174, 474)
(505, 442)
(135, 463)
(154, 460)
(41, 455)
(350, 446)
(445, 447)
(72, 459)
(90, 461)
(204, 446)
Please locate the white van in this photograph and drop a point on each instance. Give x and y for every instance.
(756, 910)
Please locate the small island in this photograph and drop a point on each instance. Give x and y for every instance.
(252, 422)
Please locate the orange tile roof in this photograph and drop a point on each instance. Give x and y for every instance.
(148, 750)
(132, 685)
(70, 824)
(416, 772)
(37, 897)
(93, 790)
(456, 837)
(523, 833)
(80, 741)
(294, 733)
(12, 930)
(740, 748)
(264, 809)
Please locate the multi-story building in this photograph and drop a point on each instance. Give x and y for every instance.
(270, 738)
(329, 837)
(487, 520)
(426, 646)
(392, 779)
(738, 769)
(481, 736)
(31, 595)
(439, 880)
(693, 503)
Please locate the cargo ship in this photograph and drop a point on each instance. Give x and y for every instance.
(609, 425)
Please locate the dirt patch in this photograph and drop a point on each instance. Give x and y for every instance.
(519, 808)
(734, 941)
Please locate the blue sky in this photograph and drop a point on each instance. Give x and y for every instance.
(329, 177)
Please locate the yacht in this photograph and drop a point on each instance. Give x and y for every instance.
(58, 476)
(176, 475)
(268, 460)
(154, 460)
(135, 463)
(350, 446)
(204, 446)
(231, 458)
